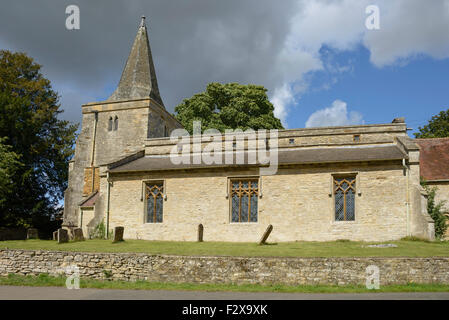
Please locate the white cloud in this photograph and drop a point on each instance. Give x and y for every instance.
(408, 29)
(282, 97)
(273, 43)
(316, 23)
(291, 66)
(339, 24)
(335, 115)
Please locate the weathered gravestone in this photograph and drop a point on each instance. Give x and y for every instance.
(200, 232)
(78, 234)
(63, 236)
(118, 234)
(32, 233)
(266, 234)
(55, 235)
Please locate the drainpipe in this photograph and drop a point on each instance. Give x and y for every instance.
(407, 203)
(107, 204)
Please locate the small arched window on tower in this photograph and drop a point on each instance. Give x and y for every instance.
(110, 124)
(115, 123)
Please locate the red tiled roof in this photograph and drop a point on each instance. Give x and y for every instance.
(90, 201)
(434, 158)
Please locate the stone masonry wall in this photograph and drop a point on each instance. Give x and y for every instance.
(295, 201)
(133, 130)
(442, 193)
(237, 270)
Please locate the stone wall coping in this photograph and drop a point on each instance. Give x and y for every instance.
(142, 254)
(303, 132)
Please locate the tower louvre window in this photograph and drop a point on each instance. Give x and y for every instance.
(115, 123)
(110, 124)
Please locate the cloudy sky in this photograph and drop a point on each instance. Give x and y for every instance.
(319, 61)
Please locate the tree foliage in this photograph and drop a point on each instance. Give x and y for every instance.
(9, 164)
(229, 106)
(29, 110)
(437, 127)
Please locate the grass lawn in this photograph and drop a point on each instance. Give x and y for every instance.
(405, 248)
(44, 280)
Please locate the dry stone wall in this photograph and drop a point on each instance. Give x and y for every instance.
(237, 270)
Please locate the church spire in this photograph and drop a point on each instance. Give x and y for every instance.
(139, 77)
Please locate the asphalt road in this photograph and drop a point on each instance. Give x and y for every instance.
(59, 293)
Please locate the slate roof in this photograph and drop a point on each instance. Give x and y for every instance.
(138, 79)
(292, 156)
(434, 158)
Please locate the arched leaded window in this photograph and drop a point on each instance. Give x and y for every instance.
(154, 194)
(344, 193)
(115, 123)
(110, 124)
(244, 196)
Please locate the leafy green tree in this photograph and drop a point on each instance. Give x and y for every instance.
(29, 110)
(229, 106)
(9, 164)
(438, 127)
(435, 210)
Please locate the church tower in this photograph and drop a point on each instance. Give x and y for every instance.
(114, 129)
(138, 79)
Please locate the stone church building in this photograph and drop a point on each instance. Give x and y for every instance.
(358, 182)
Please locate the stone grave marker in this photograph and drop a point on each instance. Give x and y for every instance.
(200, 232)
(63, 236)
(32, 233)
(118, 234)
(78, 234)
(266, 234)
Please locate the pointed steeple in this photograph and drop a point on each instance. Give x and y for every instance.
(139, 77)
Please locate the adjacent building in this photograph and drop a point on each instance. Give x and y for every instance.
(434, 167)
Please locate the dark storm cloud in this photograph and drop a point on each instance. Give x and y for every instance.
(193, 42)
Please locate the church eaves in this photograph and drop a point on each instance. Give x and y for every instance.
(138, 80)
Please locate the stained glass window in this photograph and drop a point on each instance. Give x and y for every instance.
(244, 196)
(344, 194)
(154, 193)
